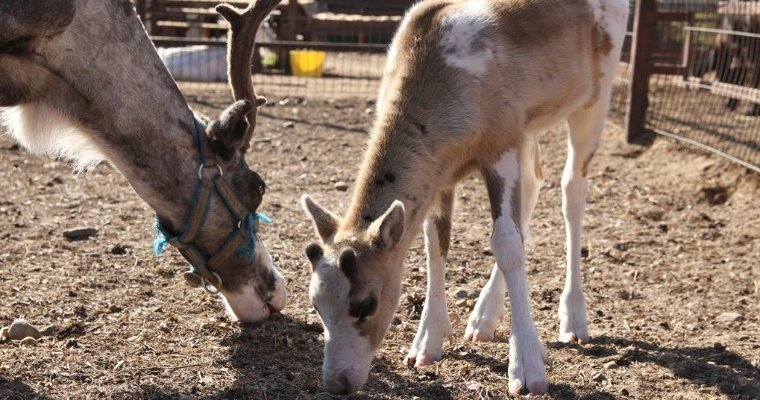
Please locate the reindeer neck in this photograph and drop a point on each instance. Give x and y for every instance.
(131, 109)
(398, 165)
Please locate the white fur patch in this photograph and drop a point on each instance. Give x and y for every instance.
(246, 304)
(508, 168)
(348, 355)
(462, 44)
(44, 130)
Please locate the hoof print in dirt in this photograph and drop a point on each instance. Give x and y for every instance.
(715, 195)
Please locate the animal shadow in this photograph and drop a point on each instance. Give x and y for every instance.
(713, 366)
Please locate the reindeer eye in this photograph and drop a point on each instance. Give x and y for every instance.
(364, 309)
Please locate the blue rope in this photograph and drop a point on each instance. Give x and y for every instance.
(162, 240)
(249, 249)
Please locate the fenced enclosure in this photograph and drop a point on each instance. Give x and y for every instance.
(690, 69)
(669, 250)
(695, 75)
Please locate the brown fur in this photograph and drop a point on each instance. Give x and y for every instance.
(436, 123)
(442, 221)
(601, 47)
(431, 130)
(495, 187)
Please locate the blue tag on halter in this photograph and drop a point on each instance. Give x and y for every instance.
(161, 239)
(263, 218)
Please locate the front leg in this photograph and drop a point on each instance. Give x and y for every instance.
(527, 355)
(489, 309)
(435, 325)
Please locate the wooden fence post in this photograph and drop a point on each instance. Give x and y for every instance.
(641, 51)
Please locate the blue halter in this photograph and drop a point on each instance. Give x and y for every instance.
(242, 239)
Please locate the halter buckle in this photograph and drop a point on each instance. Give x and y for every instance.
(208, 287)
(200, 170)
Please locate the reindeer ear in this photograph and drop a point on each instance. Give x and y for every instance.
(388, 229)
(324, 221)
(228, 132)
(314, 252)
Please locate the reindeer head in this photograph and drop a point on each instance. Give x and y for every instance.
(253, 287)
(81, 79)
(355, 287)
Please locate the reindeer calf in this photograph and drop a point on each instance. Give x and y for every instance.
(468, 87)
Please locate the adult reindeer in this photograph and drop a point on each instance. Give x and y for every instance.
(468, 87)
(81, 79)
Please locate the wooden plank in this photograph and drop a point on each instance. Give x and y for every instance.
(181, 12)
(687, 6)
(214, 3)
(743, 8)
(203, 3)
(385, 7)
(667, 69)
(169, 41)
(186, 25)
(721, 89)
(673, 16)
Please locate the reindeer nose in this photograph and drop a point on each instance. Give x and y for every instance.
(338, 384)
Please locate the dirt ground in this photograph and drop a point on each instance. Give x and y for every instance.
(672, 240)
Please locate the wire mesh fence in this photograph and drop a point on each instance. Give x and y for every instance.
(704, 83)
(710, 96)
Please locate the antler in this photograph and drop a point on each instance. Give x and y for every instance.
(240, 44)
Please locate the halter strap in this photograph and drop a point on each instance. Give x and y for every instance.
(242, 239)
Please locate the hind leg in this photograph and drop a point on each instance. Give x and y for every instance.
(489, 309)
(585, 130)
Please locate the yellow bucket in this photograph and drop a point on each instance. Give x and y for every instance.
(307, 62)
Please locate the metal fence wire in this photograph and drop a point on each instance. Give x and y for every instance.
(705, 86)
(703, 60)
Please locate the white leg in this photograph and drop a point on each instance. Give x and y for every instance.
(585, 129)
(435, 325)
(489, 309)
(527, 355)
